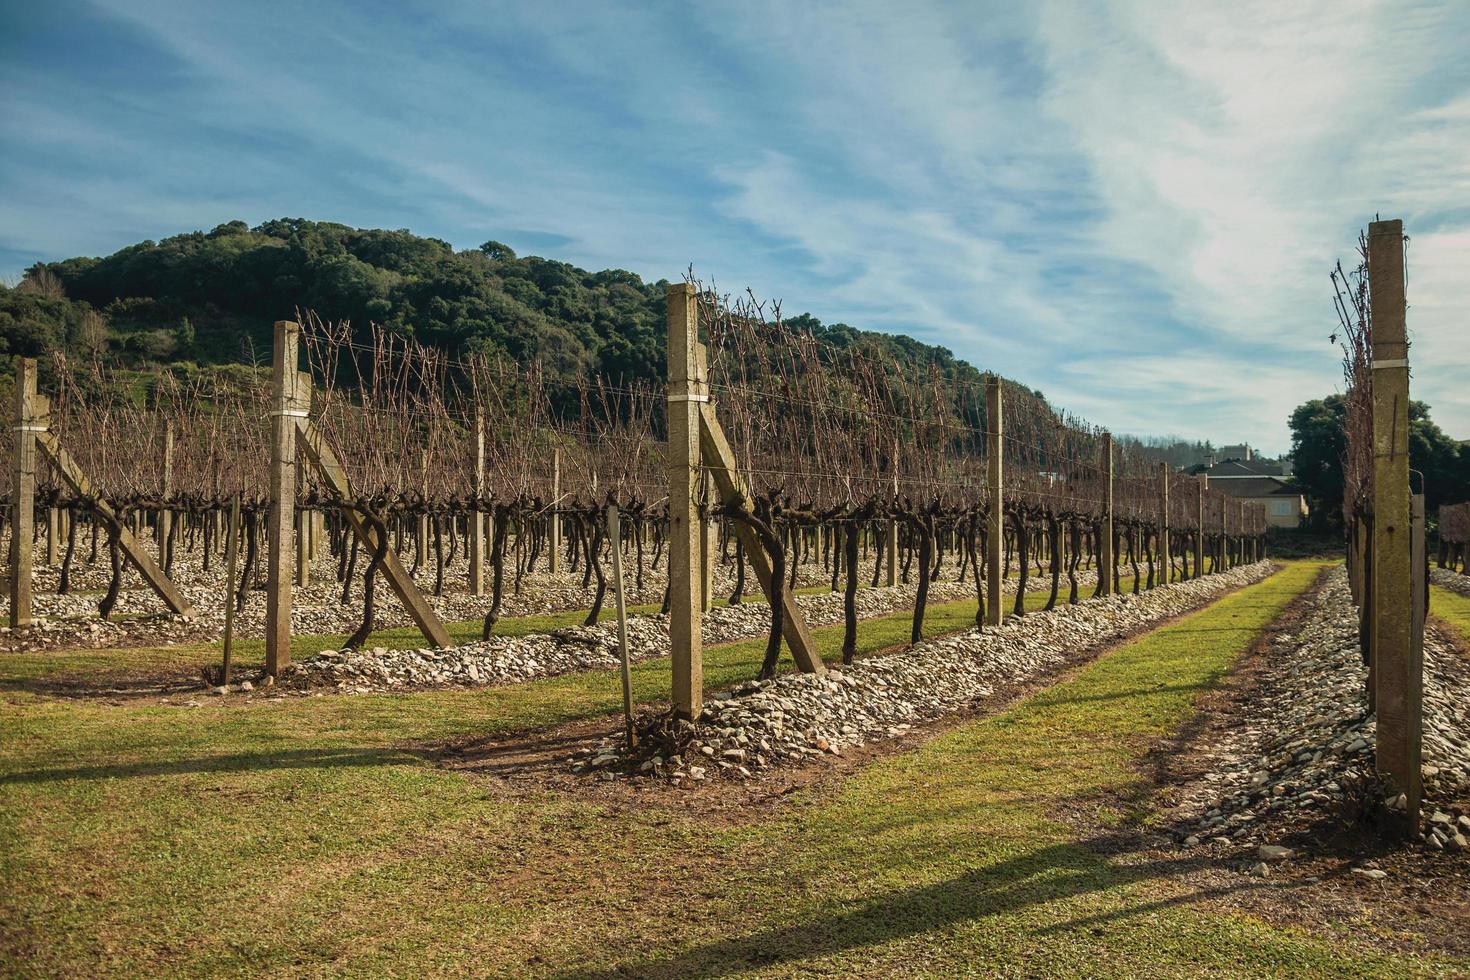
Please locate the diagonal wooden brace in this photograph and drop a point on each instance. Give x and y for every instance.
(80, 485)
(320, 455)
(719, 460)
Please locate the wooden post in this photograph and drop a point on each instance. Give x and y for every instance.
(1199, 538)
(288, 407)
(687, 389)
(1398, 683)
(555, 503)
(28, 419)
(1163, 576)
(1105, 546)
(614, 533)
(477, 519)
(995, 497)
(232, 550)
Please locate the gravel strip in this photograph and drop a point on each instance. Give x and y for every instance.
(1454, 581)
(1306, 742)
(502, 660)
(800, 715)
(318, 610)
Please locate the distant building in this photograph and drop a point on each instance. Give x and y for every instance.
(1241, 452)
(1259, 483)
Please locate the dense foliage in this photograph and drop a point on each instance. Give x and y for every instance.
(1319, 442)
(211, 297)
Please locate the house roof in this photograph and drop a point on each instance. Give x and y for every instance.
(1254, 486)
(1241, 468)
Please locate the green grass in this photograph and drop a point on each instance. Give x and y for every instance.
(1452, 608)
(310, 836)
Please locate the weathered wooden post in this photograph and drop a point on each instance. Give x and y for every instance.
(995, 499)
(28, 422)
(288, 406)
(476, 517)
(1105, 564)
(1399, 680)
(686, 391)
(1163, 577)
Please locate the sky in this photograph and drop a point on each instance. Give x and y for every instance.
(1131, 207)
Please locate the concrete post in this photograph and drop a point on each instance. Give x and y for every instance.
(555, 503)
(303, 547)
(1398, 679)
(53, 534)
(686, 607)
(477, 519)
(1105, 546)
(709, 554)
(23, 491)
(995, 499)
(1199, 537)
(890, 545)
(289, 404)
(1163, 576)
(165, 515)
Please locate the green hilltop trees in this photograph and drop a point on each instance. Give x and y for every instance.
(1318, 443)
(210, 298)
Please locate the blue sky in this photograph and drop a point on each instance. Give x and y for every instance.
(1132, 207)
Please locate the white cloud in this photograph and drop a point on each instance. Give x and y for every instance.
(1131, 207)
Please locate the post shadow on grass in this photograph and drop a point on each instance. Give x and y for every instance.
(240, 762)
(1055, 873)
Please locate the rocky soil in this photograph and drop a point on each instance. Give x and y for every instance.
(1454, 581)
(503, 660)
(794, 717)
(140, 617)
(1304, 748)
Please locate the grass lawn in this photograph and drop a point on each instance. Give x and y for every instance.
(308, 836)
(1452, 608)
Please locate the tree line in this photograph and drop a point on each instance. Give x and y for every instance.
(1319, 442)
(209, 298)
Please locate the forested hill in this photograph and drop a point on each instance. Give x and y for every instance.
(210, 298)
